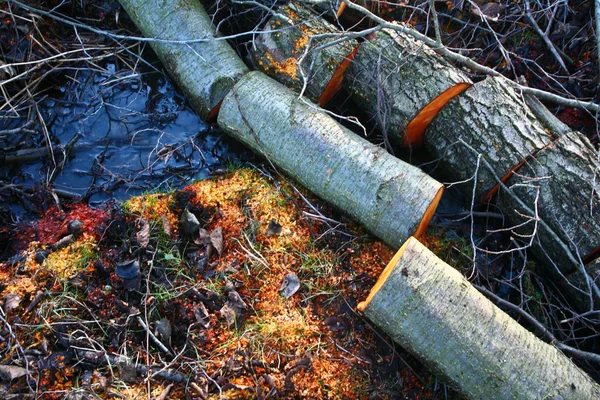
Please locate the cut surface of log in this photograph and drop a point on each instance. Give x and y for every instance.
(205, 70)
(390, 198)
(497, 125)
(393, 77)
(560, 182)
(431, 310)
(287, 41)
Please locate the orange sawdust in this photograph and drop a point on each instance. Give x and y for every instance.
(278, 344)
(287, 67)
(155, 207)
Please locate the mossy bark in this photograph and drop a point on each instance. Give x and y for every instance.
(286, 40)
(495, 123)
(204, 70)
(431, 310)
(561, 185)
(393, 77)
(392, 199)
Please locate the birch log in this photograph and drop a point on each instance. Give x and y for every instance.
(392, 199)
(431, 310)
(204, 67)
(393, 77)
(497, 125)
(291, 51)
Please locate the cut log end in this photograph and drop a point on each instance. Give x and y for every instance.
(335, 84)
(429, 213)
(415, 130)
(212, 114)
(341, 9)
(384, 275)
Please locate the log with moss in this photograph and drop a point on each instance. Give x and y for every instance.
(392, 199)
(559, 186)
(402, 84)
(296, 49)
(488, 120)
(431, 310)
(204, 66)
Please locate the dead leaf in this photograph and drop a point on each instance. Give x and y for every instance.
(274, 228)
(216, 239)
(290, 285)
(10, 372)
(229, 314)
(232, 310)
(163, 331)
(166, 224)
(12, 302)
(143, 235)
(189, 222)
(201, 314)
(203, 237)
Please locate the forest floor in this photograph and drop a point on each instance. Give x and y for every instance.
(240, 285)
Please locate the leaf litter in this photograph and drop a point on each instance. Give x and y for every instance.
(127, 308)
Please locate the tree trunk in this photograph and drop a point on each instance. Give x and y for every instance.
(393, 77)
(431, 310)
(497, 125)
(205, 70)
(288, 38)
(392, 199)
(560, 183)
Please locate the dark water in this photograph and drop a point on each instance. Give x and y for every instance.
(137, 133)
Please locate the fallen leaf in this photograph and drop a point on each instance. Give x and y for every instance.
(143, 235)
(232, 310)
(163, 331)
(10, 372)
(189, 222)
(216, 239)
(290, 285)
(12, 302)
(166, 224)
(274, 228)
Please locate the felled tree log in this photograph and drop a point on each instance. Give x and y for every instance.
(286, 52)
(431, 310)
(491, 119)
(560, 183)
(392, 199)
(204, 68)
(393, 77)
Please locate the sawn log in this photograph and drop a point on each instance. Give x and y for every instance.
(430, 309)
(391, 198)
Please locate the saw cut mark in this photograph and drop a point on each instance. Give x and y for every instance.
(384, 275)
(415, 131)
(335, 83)
(214, 113)
(429, 213)
(494, 191)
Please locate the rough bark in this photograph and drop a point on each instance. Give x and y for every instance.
(392, 199)
(287, 41)
(205, 70)
(431, 310)
(561, 184)
(393, 77)
(491, 119)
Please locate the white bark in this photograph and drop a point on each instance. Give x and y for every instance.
(389, 197)
(431, 310)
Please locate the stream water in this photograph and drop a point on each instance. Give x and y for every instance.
(136, 130)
